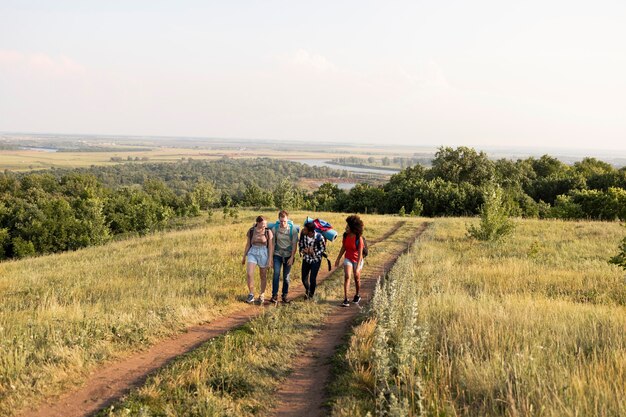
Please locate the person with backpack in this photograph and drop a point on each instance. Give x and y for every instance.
(312, 247)
(259, 251)
(353, 246)
(286, 245)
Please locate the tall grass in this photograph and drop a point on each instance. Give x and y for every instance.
(533, 326)
(239, 373)
(60, 315)
(381, 365)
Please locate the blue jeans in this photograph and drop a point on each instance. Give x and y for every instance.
(309, 276)
(278, 262)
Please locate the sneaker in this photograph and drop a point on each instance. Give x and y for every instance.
(356, 299)
(261, 299)
(306, 296)
(274, 299)
(345, 303)
(285, 299)
(250, 298)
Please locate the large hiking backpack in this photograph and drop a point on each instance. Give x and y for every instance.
(325, 228)
(292, 226)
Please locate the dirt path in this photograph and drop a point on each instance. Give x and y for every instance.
(303, 393)
(113, 380)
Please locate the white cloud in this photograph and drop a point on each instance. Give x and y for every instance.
(39, 64)
(306, 59)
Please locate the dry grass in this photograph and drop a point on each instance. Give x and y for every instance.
(533, 326)
(61, 315)
(238, 373)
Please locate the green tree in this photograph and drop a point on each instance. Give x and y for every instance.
(547, 166)
(325, 197)
(255, 196)
(285, 195)
(5, 240)
(205, 195)
(364, 198)
(494, 220)
(462, 164)
(418, 207)
(620, 258)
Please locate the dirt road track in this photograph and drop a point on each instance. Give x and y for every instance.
(304, 391)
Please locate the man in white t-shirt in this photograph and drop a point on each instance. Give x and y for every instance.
(286, 244)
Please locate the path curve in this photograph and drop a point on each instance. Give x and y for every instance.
(109, 382)
(303, 393)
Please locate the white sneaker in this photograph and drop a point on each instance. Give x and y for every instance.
(250, 298)
(262, 299)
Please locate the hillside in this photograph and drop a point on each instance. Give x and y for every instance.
(532, 326)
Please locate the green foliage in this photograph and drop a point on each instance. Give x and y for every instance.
(547, 166)
(591, 204)
(494, 219)
(364, 198)
(462, 165)
(205, 195)
(418, 207)
(620, 258)
(255, 196)
(325, 198)
(285, 195)
(4, 243)
(402, 212)
(62, 210)
(22, 248)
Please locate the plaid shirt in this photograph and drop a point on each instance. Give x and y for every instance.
(317, 243)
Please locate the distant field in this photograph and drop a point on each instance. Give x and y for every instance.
(535, 326)
(24, 160)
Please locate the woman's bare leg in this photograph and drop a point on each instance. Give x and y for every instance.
(250, 273)
(357, 280)
(263, 273)
(347, 271)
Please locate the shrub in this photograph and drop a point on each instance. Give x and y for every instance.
(620, 258)
(494, 218)
(418, 207)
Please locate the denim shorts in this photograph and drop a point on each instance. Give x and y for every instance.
(258, 255)
(352, 264)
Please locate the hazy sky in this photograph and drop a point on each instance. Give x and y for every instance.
(531, 73)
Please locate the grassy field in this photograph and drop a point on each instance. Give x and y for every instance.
(25, 160)
(535, 326)
(61, 315)
(238, 374)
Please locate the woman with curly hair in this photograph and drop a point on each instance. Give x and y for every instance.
(352, 246)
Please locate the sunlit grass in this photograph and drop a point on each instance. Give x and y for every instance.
(535, 325)
(62, 314)
(239, 373)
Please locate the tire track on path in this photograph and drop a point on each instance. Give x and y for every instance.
(303, 393)
(111, 381)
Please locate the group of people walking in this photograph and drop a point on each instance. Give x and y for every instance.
(275, 246)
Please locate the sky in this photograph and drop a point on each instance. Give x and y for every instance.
(546, 73)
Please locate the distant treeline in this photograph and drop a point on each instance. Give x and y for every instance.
(533, 187)
(61, 210)
(230, 175)
(64, 209)
(384, 162)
